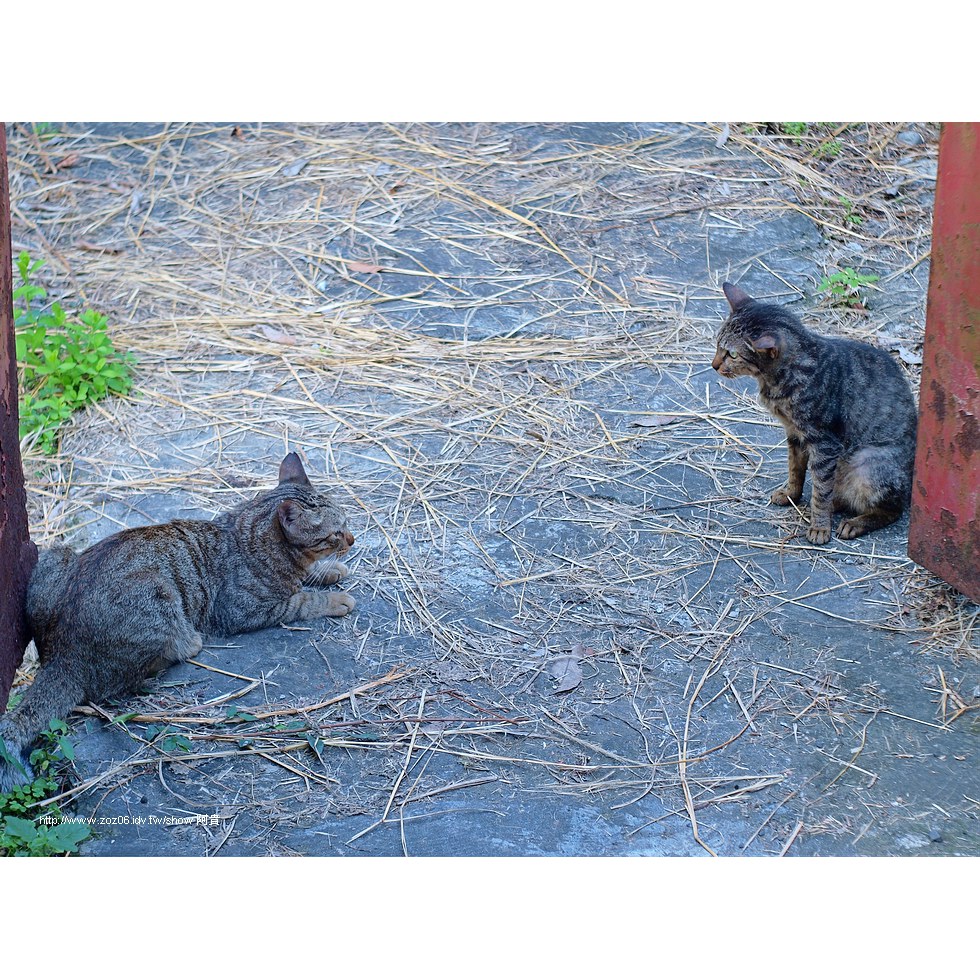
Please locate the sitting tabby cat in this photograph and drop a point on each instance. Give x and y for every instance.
(847, 409)
(141, 599)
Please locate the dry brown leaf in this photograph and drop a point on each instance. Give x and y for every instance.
(567, 671)
(237, 133)
(363, 267)
(292, 169)
(69, 161)
(276, 336)
(654, 421)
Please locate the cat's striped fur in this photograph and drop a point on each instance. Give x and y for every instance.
(846, 406)
(106, 618)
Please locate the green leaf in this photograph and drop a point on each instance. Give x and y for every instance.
(17, 827)
(237, 714)
(10, 758)
(315, 743)
(65, 837)
(174, 742)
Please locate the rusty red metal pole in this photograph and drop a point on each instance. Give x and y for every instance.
(17, 552)
(944, 534)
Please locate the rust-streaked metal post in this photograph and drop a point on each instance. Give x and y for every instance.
(944, 534)
(17, 552)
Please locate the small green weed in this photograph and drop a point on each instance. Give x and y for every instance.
(829, 149)
(26, 828)
(65, 362)
(45, 129)
(793, 128)
(850, 216)
(844, 287)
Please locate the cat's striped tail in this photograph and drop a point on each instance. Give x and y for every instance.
(52, 695)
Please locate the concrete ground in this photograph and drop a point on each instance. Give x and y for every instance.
(493, 342)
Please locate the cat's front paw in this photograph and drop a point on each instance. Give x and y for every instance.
(848, 529)
(314, 604)
(340, 604)
(818, 535)
(324, 573)
(783, 498)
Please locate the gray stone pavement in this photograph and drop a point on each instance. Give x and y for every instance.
(518, 412)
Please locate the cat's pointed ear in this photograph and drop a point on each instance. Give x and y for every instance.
(288, 513)
(291, 470)
(736, 296)
(767, 344)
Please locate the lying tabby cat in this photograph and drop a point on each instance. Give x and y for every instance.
(141, 599)
(847, 409)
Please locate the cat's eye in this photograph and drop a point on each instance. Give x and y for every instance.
(733, 354)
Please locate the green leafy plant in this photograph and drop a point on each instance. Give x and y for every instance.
(27, 827)
(65, 361)
(41, 840)
(844, 287)
(167, 740)
(176, 743)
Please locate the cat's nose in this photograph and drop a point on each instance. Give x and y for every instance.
(716, 363)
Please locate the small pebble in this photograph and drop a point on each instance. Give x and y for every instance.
(910, 138)
(935, 835)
